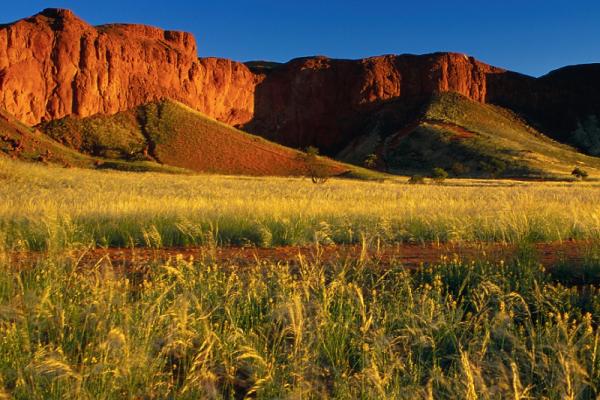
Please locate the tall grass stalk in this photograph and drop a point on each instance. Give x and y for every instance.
(194, 329)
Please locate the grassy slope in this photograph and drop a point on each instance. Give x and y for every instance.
(464, 137)
(173, 134)
(477, 140)
(19, 141)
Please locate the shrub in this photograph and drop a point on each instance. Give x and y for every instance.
(316, 168)
(371, 161)
(312, 151)
(439, 175)
(579, 173)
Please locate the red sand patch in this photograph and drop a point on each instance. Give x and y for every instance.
(460, 132)
(220, 149)
(409, 255)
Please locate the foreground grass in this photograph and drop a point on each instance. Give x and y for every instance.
(45, 208)
(192, 329)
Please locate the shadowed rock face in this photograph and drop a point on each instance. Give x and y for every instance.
(54, 65)
(327, 102)
(557, 103)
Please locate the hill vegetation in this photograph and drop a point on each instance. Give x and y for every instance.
(170, 133)
(18, 141)
(468, 138)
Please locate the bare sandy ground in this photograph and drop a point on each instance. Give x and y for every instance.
(409, 255)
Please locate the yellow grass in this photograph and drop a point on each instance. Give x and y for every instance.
(47, 206)
(198, 329)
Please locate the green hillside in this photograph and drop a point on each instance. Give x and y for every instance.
(468, 138)
(19, 141)
(171, 133)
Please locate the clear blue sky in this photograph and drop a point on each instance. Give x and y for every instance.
(528, 36)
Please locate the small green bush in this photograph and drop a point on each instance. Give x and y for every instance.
(371, 161)
(317, 170)
(439, 175)
(579, 173)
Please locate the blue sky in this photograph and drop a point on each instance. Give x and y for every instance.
(528, 36)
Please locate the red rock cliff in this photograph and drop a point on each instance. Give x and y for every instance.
(54, 64)
(324, 102)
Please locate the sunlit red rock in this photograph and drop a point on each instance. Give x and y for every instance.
(54, 64)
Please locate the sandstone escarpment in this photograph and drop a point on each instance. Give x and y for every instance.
(325, 102)
(54, 64)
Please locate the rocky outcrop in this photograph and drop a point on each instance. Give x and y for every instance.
(326, 102)
(560, 103)
(54, 64)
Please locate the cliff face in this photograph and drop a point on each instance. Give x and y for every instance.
(326, 102)
(54, 64)
(559, 103)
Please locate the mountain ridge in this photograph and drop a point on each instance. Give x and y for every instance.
(54, 65)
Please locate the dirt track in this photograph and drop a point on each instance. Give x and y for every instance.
(410, 255)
